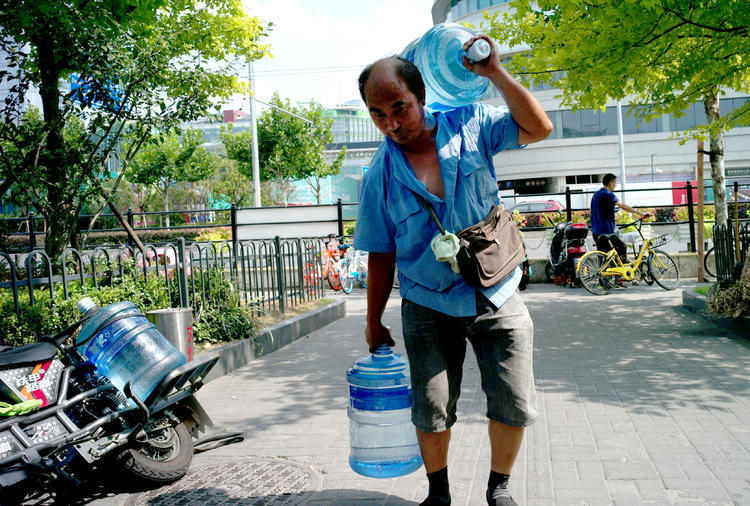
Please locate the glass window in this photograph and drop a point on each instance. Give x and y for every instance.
(687, 121)
(571, 124)
(608, 121)
(590, 123)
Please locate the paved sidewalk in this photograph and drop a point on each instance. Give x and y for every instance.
(641, 402)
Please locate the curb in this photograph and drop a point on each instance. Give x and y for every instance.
(696, 303)
(237, 354)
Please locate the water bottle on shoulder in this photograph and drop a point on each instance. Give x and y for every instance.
(383, 440)
(438, 55)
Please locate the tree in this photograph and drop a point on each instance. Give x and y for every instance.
(133, 65)
(289, 148)
(666, 54)
(171, 159)
(231, 185)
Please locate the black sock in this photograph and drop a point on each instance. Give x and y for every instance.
(497, 480)
(439, 491)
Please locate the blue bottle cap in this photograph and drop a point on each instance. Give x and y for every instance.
(379, 381)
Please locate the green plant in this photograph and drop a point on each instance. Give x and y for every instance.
(51, 315)
(215, 234)
(223, 324)
(349, 228)
(709, 217)
(627, 217)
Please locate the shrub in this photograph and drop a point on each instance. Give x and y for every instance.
(48, 316)
(223, 324)
(709, 216)
(215, 234)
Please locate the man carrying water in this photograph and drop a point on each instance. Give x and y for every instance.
(446, 158)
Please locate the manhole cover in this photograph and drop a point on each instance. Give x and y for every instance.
(258, 481)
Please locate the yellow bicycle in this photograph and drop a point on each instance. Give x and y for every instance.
(599, 271)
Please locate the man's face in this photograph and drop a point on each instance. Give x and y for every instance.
(611, 185)
(394, 109)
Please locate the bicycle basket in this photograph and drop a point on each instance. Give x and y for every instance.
(659, 241)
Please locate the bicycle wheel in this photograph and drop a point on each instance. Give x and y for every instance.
(334, 278)
(589, 273)
(643, 274)
(311, 273)
(663, 269)
(347, 280)
(712, 262)
(362, 270)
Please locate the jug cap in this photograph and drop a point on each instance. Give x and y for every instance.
(383, 368)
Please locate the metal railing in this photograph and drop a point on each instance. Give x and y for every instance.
(265, 276)
(731, 245)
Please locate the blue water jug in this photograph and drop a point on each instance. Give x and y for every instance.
(383, 440)
(127, 349)
(438, 56)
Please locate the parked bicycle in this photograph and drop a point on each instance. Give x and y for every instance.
(333, 256)
(354, 268)
(599, 272)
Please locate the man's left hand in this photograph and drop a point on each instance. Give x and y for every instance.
(487, 67)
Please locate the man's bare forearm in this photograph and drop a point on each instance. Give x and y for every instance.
(533, 123)
(380, 269)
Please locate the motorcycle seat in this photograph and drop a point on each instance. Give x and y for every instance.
(28, 354)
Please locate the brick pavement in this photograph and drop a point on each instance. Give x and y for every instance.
(640, 402)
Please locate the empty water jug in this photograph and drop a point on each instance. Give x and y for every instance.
(438, 55)
(382, 438)
(125, 347)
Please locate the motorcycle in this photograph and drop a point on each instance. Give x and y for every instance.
(567, 247)
(60, 418)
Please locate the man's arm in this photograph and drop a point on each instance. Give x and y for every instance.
(528, 113)
(629, 209)
(380, 269)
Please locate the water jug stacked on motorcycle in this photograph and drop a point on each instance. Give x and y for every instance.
(567, 248)
(60, 416)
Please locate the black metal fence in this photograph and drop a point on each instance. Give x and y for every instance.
(266, 276)
(731, 245)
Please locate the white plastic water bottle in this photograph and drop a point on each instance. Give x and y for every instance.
(382, 438)
(125, 347)
(438, 55)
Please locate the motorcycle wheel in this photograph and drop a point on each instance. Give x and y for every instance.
(165, 457)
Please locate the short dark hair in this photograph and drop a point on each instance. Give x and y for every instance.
(405, 69)
(608, 178)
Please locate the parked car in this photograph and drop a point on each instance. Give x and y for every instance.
(537, 206)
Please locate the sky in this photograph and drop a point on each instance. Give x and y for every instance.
(320, 46)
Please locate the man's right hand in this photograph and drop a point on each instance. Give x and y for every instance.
(377, 335)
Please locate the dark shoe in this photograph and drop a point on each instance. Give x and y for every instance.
(501, 497)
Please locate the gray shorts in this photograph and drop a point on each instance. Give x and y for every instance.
(503, 341)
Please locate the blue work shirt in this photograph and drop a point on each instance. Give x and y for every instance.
(391, 218)
(603, 212)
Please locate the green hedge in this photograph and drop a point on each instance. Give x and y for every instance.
(46, 317)
(220, 319)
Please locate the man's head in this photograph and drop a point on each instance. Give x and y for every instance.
(609, 181)
(393, 90)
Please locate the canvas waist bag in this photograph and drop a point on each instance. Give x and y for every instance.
(488, 251)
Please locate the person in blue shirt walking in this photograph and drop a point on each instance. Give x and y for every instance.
(446, 157)
(603, 218)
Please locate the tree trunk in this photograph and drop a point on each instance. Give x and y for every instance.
(166, 203)
(716, 157)
(61, 212)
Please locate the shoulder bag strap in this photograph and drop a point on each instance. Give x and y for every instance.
(430, 210)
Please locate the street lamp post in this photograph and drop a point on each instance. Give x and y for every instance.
(652, 167)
